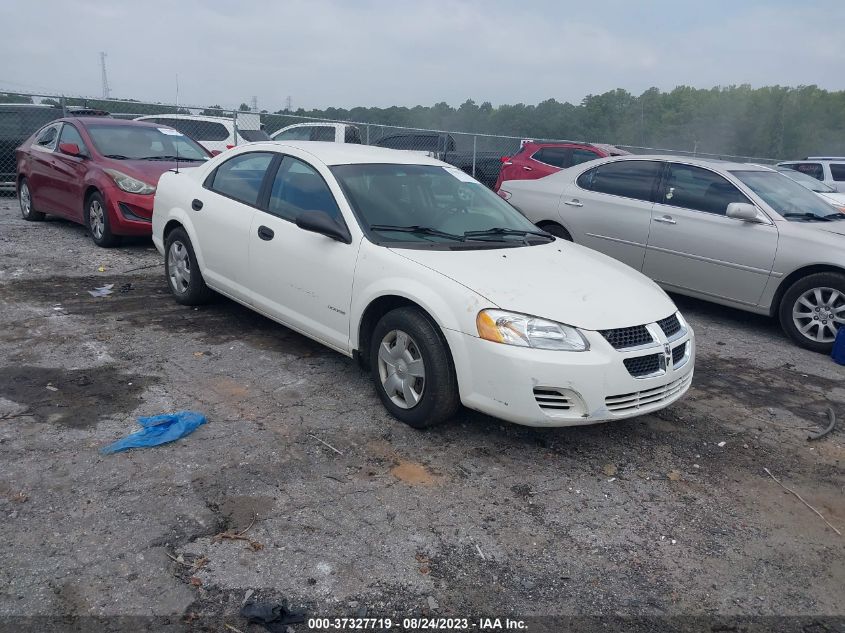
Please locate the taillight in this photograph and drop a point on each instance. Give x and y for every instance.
(505, 159)
(505, 195)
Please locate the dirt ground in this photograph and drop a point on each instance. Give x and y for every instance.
(665, 515)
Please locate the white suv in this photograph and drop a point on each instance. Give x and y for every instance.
(829, 169)
(215, 133)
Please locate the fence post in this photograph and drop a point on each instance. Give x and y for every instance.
(474, 145)
(63, 102)
(368, 133)
(235, 125)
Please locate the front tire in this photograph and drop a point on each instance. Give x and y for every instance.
(412, 369)
(25, 200)
(813, 309)
(184, 277)
(97, 221)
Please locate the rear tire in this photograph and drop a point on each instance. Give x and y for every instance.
(412, 369)
(812, 310)
(25, 200)
(97, 221)
(557, 230)
(184, 277)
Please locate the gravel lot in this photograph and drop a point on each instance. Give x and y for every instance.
(665, 515)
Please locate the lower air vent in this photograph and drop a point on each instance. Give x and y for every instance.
(643, 365)
(629, 402)
(552, 399)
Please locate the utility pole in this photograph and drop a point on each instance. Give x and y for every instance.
(105, 76)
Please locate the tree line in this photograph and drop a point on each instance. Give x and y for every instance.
(772, 121)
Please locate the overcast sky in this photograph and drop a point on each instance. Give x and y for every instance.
(405, 52)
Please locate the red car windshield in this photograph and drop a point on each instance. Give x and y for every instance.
(142, 142)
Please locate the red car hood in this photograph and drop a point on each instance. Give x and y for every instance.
(147, 170)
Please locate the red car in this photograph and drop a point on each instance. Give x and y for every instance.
(99, 172)
(535, 160)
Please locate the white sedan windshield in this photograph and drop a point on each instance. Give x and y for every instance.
(427, 203)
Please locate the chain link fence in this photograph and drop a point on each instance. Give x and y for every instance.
(218, 129)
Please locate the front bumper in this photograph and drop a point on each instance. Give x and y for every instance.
(129, 213)
(548, 388)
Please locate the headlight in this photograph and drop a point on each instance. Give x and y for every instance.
(512, 328)
(130, 184)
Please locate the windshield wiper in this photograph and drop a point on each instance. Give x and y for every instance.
(504, 231)
(116, 156)
(171, 157)
(809, 217)
(424, 230)
(835, 216)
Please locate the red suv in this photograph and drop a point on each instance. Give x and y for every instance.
(100, 172)
(535, 160)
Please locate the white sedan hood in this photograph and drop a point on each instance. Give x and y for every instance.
(560, 281)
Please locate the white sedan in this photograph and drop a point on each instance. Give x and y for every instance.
(442, 289)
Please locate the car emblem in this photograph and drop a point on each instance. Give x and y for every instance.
(667, 351)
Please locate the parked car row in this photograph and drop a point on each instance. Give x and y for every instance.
(439, 286)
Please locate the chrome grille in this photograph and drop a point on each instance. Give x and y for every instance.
(552, 399)
(649, 397)
(625, 337)
(643, 365)
(670, 325)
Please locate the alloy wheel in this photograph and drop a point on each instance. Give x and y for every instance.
(25, 200)
(97, 219)
(401, 369)
(179, 267)
(818, 314)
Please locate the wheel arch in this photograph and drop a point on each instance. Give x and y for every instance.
(375, 310)
(544, 223)
(796, 275)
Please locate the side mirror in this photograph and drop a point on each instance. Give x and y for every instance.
(320, 222)
(216, 152)
(71, 149)
(742, 211)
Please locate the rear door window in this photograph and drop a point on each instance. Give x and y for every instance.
(837, 171)
(241, 177)
(582, 156)
(352, 135)
(298, 187)
(301, 133)
(699, 189)
(627, 178)
(322, 133)
(48, 136)
(554, 156)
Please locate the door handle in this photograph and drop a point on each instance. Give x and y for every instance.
(196, 205)
(527, 168)
(265, 233)
(666, 219)
(574, 203)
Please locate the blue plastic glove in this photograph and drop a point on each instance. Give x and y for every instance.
(838, 351)
(158, 429)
